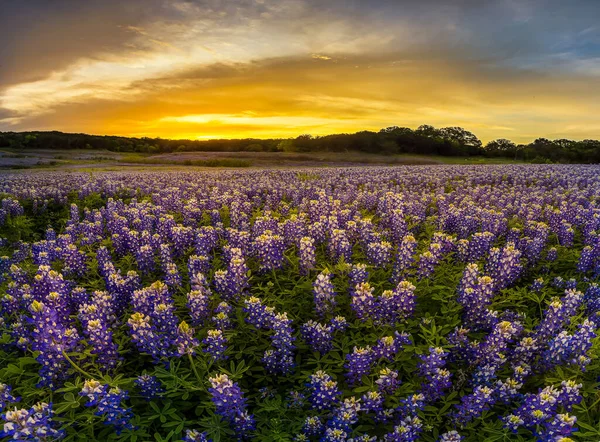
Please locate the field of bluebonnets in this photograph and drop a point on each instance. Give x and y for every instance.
(436, 303)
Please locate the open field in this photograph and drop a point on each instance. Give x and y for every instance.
(433, 303)
(76, 159)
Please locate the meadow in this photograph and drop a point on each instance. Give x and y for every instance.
(409, 303)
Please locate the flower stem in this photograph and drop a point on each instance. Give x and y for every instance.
(77, 367)
(195, 369)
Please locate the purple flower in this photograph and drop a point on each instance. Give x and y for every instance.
(109, 404)
(358, 364)
(259, 315)
(312, 426)
(35, 424)
(195, 436)
(324, 294)
(231, 404)
(197, 303)
(407, 431)
(379, 253)
(450, 436)
(306, 251)
(324, 392)
(269, 248)
(150, 387)
(5, 396)
(215, 345)
(388, 381)
(52, 340)
(473, 405)
(318, 336)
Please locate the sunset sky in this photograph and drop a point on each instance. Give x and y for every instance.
(517, 69)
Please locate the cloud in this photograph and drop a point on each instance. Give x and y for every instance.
(277, 68)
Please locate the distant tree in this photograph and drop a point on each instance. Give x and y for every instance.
(427, 130)
(500, 145)
(254, 147)
(461, 136)
(287, 146)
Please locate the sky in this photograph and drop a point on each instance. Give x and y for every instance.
(199, 69)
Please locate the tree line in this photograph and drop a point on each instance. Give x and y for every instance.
(426, 139)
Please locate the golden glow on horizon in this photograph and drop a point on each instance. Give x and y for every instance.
(285, 72)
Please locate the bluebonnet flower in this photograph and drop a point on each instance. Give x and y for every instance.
(230, 403)
(269, 248)
(197, 303)
(428, 260)
(372, 402)
(473, 405)
(569, 394)
(280, 359)
(490, 353)
(339, 246)
(334, 435)
(195, 436)
(552, 254)
(412, 404)
(231, 283)
(450, 436)
(52, 340)
(397, 224)
(396, 305)
(318, 336)
(146, 337)
(565, 235)
(294, 228)
(431, 367)
(476, 300)
(74, 261)
(259, 315)
(537, 285)
(144, 256)
(150, 387)
(504, 265)
(363, 301)
(587, 259)
(35, 424)
(306, 252)
(344, 416)
(407, 431)
(338, 323)
(556, 315)
(295, 399)
(540, 410)
(324, 294)
(5, 396)
(324, 392)
(96, 318)
(558, 282)
(358, 364)
(198, 264)
(507, 390)
(222, 317)
(388, 381)
(358, 274)
(185, 341)
(559, 427)
(216, 344)
(388, 346)
(313, 426)
(480, 245)
(379, 253)
(109, 404)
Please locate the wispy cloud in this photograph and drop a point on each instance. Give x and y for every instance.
(237, 68)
